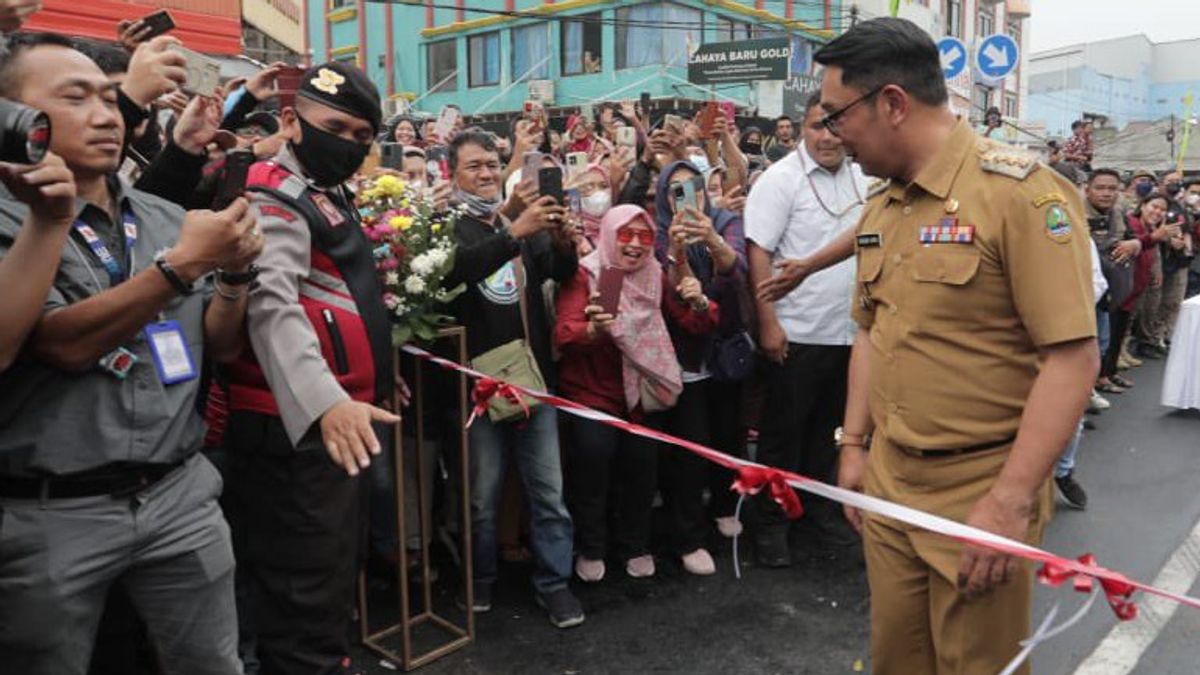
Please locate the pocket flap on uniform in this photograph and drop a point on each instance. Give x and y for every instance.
(954, 264)
(870, 263)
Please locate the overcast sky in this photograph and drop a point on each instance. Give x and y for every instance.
(1057, 23)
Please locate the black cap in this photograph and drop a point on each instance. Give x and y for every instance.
(266, 120)
(345, 88)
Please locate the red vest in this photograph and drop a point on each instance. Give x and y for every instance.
(341, 296)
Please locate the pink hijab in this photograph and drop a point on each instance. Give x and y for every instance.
(649, 367)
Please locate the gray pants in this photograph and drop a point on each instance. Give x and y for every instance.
(168, 545)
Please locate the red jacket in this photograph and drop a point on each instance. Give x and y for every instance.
(590, 369)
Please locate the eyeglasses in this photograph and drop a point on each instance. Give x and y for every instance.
(830, 121)
(626, 235)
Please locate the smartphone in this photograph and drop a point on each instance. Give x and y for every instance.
(729, 110)
(588, 112)
(627, 137)
(533, 109)
(550, 183)
(645, 104)
(391, 155)
(203, 73)
(673, 121)
(574, 201)
(437, 161)
(530, 163)
(446, 122)
(577, 163)
(159, 22)
(708, 119)
(287, 83)
(233, 178)
(609, 287)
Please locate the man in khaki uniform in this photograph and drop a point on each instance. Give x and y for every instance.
(975, 354)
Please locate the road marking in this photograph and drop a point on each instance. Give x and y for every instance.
(1119, 652)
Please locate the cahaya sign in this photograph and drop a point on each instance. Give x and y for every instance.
(742, 61)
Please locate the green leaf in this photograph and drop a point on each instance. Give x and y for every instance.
(401, 335)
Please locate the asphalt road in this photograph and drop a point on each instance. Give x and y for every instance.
(1140, 467)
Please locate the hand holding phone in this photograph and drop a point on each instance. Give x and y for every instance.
(233, 178)
(287, 83)
(446, 122)
(612, 279)
(550, 183)
(627, 137)
(203, 73)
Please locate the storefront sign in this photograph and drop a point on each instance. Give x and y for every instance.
(742, 61)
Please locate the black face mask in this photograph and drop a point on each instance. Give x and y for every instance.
(327, 158)
(751, 148)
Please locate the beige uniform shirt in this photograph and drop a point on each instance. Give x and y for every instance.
(962, 275)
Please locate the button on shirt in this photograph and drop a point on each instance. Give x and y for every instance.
(53, 422)
(785, 218)
(955, 326)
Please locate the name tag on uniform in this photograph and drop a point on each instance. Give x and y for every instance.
(169, 350)
(869, 240)
(328, 209)
(948, 231)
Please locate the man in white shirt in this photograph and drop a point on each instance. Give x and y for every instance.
(802, 204)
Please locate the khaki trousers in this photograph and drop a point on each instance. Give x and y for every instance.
(920, 623)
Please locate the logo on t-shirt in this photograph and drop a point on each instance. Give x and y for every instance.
(501, 287)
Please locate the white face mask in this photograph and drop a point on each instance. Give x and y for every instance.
(1193, 199)
(598, 203)
(701, 162)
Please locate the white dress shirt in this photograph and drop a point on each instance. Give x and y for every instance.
(786, 218)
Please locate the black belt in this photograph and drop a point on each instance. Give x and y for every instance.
(106, 481)
(959, 451)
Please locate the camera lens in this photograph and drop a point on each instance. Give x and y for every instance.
(24, 133)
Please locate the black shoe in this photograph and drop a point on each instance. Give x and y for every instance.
(772, 548)
(1072, 491)
(833, 529)
(562, 607)
(1150, 352)
(482, 600)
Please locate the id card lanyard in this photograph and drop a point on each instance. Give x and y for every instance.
(118, 270)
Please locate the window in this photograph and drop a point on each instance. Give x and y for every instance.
(531, 52)
(581, 45)
(729, 30)
(1013, 28)
(441, 59)
(483, 53)
(1010, 106)
(337, 4)
(648, 43)
(985, 22)
(954, 18)
(980, 101)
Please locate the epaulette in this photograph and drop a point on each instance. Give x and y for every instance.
(1005, 159)
(877, 186)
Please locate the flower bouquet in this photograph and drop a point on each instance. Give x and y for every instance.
(414, 251)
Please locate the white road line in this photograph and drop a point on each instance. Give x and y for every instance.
(1119, 652)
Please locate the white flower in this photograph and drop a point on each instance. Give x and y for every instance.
(438, 257)
(391, 279)
(414, 284)
(423, 265)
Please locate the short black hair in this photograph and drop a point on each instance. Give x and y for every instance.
(887, 51)
(813, 101)
(112, 60)
(1076, 124)
(782, 118)
(18, 44)
(471, 136)
(1190, 182)
(1104, 171)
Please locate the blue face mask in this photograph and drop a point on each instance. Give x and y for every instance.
(1144, 189)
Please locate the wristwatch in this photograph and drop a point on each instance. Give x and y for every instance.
(173, 278)
(843, 439)
(238, 278)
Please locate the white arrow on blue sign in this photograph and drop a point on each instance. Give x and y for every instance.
(997, 57)
(954, 56)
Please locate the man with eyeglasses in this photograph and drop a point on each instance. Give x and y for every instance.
(975, 355)
(503, 265)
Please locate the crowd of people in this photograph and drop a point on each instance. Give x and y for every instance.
(697, 281)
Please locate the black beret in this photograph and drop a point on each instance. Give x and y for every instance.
(343, 87)
(261, 118)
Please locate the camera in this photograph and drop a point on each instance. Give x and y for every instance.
(24, 133)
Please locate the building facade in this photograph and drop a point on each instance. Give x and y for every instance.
(492, 57)
(210, 26)
(972, 21)
(1128, 79)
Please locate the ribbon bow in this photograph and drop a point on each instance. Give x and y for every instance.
(751, 480)
(1116, 591)
(485, 389)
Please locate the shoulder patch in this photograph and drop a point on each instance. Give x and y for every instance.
(276, 211)
(877, 186)
(1006, 160)
(1049, 198)
(1058, 225)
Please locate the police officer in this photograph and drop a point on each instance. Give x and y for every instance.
(975, 355)
(302, 401)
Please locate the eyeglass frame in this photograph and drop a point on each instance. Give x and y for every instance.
(626, 235)
(830, 120)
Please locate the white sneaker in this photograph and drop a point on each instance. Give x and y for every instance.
(729, 527)
(1098, 402)
(700, 563)
(589, 570)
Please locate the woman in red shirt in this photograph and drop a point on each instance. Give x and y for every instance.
(623, 364)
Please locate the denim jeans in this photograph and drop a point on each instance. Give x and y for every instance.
(1066, 462)
(534, 443)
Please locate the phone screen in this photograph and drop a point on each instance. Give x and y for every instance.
(574, 201)
(391, 155)
(609, 287)
(550, 183)
(233, 178)
(446, 122)
(159, 22)
(438, 161)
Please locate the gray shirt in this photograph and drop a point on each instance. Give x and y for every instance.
(53, 422)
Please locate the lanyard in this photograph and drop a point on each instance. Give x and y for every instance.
(116, 269)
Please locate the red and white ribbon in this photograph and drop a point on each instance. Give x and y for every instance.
(753, 477)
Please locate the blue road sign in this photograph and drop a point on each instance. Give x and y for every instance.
(997, 56)
(954, 56)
